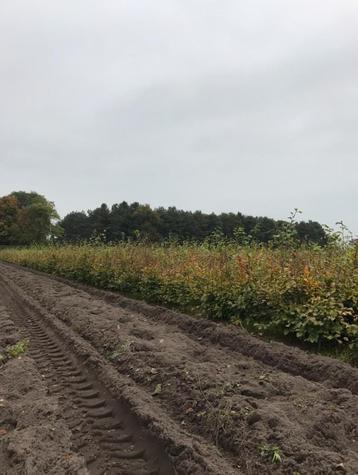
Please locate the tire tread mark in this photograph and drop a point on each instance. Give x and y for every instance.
(97, 431)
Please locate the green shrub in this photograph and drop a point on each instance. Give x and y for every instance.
(303, 292)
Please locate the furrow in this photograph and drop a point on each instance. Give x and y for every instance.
(96, 421)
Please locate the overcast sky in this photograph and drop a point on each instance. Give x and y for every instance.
(223, 105)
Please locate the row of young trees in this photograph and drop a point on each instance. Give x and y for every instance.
(133, 221)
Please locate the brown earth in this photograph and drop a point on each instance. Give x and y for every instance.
(147, 390)
(33, 437)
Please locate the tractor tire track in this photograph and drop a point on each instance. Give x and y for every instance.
(97, 421)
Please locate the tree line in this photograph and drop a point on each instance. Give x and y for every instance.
(135, 221)
(27, 218)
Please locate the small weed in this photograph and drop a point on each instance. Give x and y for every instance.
(157, 390)
(14, 351)
(119, 351)
(271, 452)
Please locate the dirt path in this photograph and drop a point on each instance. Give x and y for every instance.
(145, 390)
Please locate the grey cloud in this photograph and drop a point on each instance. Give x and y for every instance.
(218, 105)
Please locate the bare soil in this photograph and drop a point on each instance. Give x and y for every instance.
(33, 437)
(140, 389)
